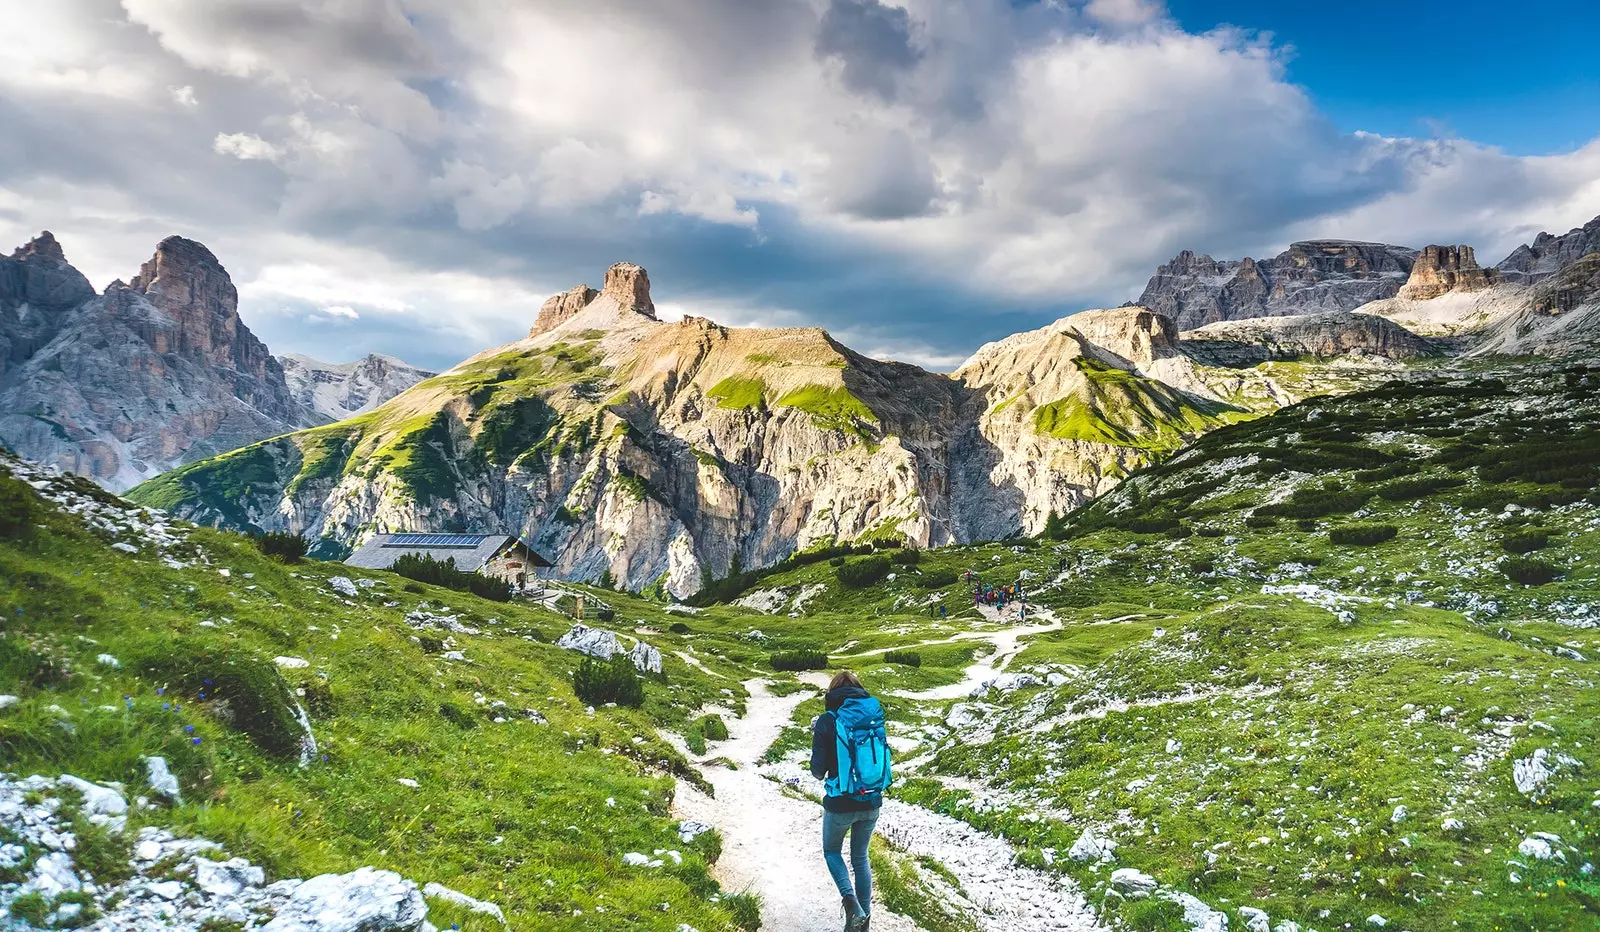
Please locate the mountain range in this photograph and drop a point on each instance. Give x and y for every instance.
(664, 454)
(126, 384)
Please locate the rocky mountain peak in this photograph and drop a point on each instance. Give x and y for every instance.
(1134, 333)
(44, 246)
(184, 273)
(629, 286)
(559, 309)
(1443, 269)
(1530, 264)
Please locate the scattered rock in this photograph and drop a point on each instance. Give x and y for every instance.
(1377, 920)
(1133, 883)
(689, 830)
(291, 663)
(344, 586)
(7, 702)
(646, 659)
(1090, 848)
(439, 891)
(593, 642)
(364, 900)
(161, 780)
(1255, 920)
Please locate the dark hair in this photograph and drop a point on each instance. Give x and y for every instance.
(845, 678)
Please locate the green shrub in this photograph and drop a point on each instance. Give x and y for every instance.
(678, 627)
(104, 855)
(598, 682)
(1409, 490)
(938, 579)
(1490, 498)
(257, 699)
(905, 658)
(414, 588)
(19, 508)
(1522, 542)
(1528, 571)
(906, 556)
(714, 728)
(282, 546)
(1202, 566)
(605, 613)
(1259, 520)
(863, 573)
(745, 908)
(1363, 535)
(424, 568)
(799, 660)
(1317, 503)
(1385, 473)
(1209, 531)
(836, 561)
(457, 715)
(32, 908)
(1306, 524)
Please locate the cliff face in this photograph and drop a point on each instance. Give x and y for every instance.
(1443, 269)
(1316, 276)
(337, 391)
(1547, 255)
(1284, 339)
(664, 451)
(125, 385)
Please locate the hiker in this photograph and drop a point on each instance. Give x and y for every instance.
(850, 754)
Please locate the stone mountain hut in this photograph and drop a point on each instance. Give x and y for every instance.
(499, 555)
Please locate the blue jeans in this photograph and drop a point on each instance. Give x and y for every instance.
(860, 826)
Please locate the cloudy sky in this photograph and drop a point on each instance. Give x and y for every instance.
(918, 176)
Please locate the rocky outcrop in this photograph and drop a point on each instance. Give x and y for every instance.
(124, 385)
(1309, 277)
(1444, 269)
(562, 308)
(1547, 255)
(337, 391)
(629, 286)
(1250, 342)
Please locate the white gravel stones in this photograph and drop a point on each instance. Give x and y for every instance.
(1399, 815)
(1005, 682)
(1536, 848)
(226, 878)
(106, 660)
(161, 780)
(344, 586)
(125, 547)
(1132, 883)
(100, 803)
(689, 830)
(407, 781)
(1377, 920)
(7, 702)
(439, 891)
(635, 859)
(1453, 825)
(1255, 920)
(291, 663)
(364, 900)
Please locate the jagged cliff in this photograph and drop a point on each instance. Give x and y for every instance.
(1548, 254)
(1316, 276)
(124, 385)
(663, 452)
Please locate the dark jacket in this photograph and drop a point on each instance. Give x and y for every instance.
(825, 752)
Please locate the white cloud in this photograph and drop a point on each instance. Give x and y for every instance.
(246, 146)
(341, 310)
(184, 96)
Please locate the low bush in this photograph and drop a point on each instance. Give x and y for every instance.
(678, 627)
(863, 573)
(1202, 566)
(457, 715)
(257, 700)
(415, 588)
(1306, 524)
(424, 568)
(1385, 473)
(1209, 531)
(598, 682)
(1260, 520)
(1522, 542)
(1410, 490)
(1529, 571)
(938, 579)
(1317, 503)
(905, 658)
(906, 556)
(799, 660)
(1489, 498)
(282, 546)
(836, 561)
(19, 508)
(714, 728)
(1363, 535)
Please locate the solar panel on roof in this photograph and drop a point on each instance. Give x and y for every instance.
(436, 540)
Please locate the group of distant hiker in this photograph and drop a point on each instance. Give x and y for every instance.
(997, 596)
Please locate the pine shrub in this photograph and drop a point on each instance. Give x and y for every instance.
(906, 556)
(799, 660)
(1523, 542)
(678, 627)
(1203, 566)
(1529, 571)
(938, 579)
(258, 700)
(282, 546)
(19, 508)
(864, 573)
(424, 568)
(905, 658)
(598, 682)
(1363, 535)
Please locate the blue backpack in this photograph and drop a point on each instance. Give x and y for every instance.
(862, 744)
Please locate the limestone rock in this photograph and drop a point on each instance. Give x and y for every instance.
(1249, 342)
(1308, 277)
(1547, 255)
(124, 385)
(593, 642)
(1443, 269)
(364, 900)
(562, 308)
(338, 391)
(1132, 883)
(646, 659)
(161, 779)
(1196, 914)
(629, 286)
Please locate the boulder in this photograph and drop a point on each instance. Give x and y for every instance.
(161, 780)
(1196, 914)
(1133, 883)
(364, 900)
(646, 659)
(594, 642)
(343, 586)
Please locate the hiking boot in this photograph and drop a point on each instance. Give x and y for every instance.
(852, 914)
(862, 922)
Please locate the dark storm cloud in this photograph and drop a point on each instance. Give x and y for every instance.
(871, 41)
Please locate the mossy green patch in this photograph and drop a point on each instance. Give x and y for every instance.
(738, 393)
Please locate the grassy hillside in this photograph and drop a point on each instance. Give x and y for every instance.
(522, 796)
(1302, 667)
